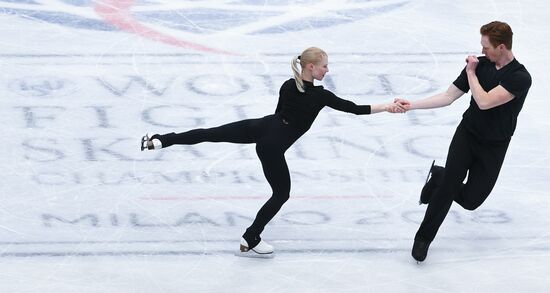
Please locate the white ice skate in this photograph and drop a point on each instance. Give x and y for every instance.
(262, 250)
(150, 144)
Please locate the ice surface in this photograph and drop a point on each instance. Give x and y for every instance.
(83, 210)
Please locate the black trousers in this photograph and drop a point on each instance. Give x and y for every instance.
(481, 160)
(272, 137)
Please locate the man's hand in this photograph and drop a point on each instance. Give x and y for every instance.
(395, 108)
(471, 63)
(404, 104)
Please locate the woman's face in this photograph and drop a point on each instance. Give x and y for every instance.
(320, 69)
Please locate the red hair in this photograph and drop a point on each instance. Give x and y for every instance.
(498, 33)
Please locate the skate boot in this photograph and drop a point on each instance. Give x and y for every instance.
(261, 250)
(432, 183)
(420, 249)
(150, 143)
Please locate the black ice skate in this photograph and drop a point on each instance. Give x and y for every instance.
(420, 250)
(432, 183)
(150, 143)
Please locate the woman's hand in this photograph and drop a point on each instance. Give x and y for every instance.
(398, 106)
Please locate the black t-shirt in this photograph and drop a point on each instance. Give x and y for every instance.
(498, 123)
(301, 109)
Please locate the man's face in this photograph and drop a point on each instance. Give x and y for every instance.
(492, 53)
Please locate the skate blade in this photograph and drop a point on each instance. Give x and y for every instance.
(427, 178)
(429, 172)
(144, 141)
(252, 254)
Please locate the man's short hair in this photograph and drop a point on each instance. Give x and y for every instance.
(498, 33)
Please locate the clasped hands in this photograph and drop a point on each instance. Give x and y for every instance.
(398, 106)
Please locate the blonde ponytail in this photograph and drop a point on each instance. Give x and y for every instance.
(297, 73)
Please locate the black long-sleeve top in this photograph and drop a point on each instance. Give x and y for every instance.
(301, 109)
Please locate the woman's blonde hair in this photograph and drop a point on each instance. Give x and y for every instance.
(310, 55)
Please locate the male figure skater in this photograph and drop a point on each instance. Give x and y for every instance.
(499, 85)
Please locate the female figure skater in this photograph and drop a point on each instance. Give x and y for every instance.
(299, 103)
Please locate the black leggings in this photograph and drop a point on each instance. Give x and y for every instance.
(482, 161)
(272, 137)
